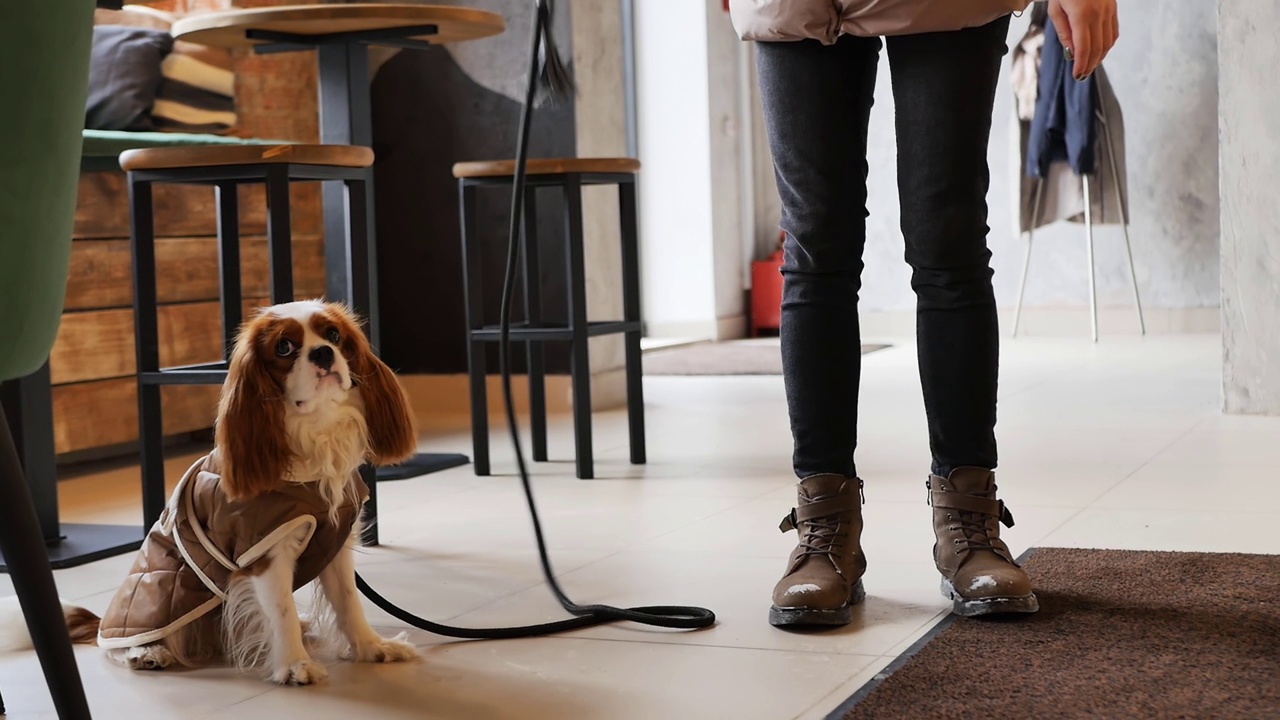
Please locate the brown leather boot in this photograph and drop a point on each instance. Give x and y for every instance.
(824, 573)
(979, 574)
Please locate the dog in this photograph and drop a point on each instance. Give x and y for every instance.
(273, 507)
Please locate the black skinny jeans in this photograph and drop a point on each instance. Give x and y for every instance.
(817, 100)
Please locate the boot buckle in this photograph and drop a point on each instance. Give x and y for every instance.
(1006, 517)
(789, 522)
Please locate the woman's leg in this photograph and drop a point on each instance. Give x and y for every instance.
(944, 88)
(817, 100)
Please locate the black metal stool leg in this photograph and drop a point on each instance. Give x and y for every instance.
(533, 314)
(358, 263)
(477, 365)
(229, 293)
(580, 362)
(358, 295)
(631, 313)
(22, 543)
(147, 339)
(279, 235)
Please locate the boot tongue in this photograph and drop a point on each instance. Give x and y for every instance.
(971, 481)
(816, 487)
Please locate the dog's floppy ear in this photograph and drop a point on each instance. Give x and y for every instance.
(249, 431)
(393, 435)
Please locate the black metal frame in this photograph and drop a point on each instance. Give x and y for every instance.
(21, 541)
(534, 330)
(29, 402)
(347, 272)
(346, 119)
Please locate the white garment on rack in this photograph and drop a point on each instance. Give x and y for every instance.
(1063, 196)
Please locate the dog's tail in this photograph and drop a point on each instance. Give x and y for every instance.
(82, 624)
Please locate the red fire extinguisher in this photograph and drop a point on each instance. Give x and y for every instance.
(766, 291)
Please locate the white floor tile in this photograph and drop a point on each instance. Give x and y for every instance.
(1115, 445)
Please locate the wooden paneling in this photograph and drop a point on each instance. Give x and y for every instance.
(275, 98)
(100, 343)
(187, 270)
(102, 209)
(104, 413)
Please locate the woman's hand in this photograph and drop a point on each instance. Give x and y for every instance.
(1088, 29)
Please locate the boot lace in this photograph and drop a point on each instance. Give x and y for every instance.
(821, 536)
(977, 536)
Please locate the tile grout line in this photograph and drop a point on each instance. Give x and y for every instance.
(1144, 464)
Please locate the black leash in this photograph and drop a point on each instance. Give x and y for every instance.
(553, 80)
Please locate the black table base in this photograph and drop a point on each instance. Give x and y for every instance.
(82, 544)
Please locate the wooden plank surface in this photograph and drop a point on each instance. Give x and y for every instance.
(187, 270)
(99, 414)
(102, 208)
(99, 344)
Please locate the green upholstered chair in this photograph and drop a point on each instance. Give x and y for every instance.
(44, 61)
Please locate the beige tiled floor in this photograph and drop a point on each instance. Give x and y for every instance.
(1115, 445)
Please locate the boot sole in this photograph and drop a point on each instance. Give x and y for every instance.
(802, 616)
(1024, 604)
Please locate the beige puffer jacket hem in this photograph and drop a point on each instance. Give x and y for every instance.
(827, 20)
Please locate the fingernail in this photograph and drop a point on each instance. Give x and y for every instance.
(1082, 78)
(1068, 54)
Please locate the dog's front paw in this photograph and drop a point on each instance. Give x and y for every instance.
(383, 650)
(148, 657)
(303, 672)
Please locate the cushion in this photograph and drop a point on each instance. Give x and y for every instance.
(102, 148)
(197, 91)
(109, 144)
(197, 85)
(124, 76)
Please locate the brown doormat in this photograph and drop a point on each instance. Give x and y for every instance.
(761, 356)
(1120, 634)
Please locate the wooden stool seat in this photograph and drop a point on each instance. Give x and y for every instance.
(170, 158)
(547, 166)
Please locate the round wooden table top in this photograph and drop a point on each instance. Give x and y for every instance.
(226, 28)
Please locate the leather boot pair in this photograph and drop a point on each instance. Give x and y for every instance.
(823, 580)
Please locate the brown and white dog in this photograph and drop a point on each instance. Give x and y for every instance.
(273, 507)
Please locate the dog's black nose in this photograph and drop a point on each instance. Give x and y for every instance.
(321, 357)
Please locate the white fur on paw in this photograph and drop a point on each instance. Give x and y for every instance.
(303, 672)
(383, 650)
(148, 657)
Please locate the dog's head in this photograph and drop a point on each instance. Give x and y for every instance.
(303, 358)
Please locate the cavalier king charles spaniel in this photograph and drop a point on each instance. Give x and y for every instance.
(272, 508)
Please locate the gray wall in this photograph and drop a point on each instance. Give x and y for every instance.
(1164, 71)
(1250, 131)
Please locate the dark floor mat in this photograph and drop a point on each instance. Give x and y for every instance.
(1120, 634)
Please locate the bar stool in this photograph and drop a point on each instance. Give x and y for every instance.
(347, 263)
(569, 175)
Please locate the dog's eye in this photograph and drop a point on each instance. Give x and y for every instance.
(333, 336)
(284, 348)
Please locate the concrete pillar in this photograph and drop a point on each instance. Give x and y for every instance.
(692, 189)
(601, 131)
(1249, 164)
